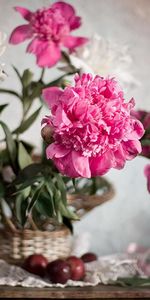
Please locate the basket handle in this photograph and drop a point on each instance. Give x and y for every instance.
(85, 203)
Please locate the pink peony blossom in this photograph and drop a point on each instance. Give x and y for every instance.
(147, 174)
(144, 117)
(92, 127)
(49, 28)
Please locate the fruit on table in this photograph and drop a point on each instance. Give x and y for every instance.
(77, 267)
(89, 257)
(36, 264)
(58, 271)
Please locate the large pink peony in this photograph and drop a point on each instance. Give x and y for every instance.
(49, 28)
(92, 127)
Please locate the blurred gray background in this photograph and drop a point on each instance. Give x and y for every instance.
(126, 218)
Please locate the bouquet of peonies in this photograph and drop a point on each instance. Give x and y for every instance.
(32, 190)
(90, 128)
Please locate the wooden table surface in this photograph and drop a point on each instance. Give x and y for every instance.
(98, 292)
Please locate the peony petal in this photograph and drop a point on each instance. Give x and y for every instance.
(20, 34)
(66, 9)
(56, 151)
(48, 53)
(51, 96)
(65, 166)
(69, 14)
(131, 149)
(72, 42)
(137, 132)
(101, 164)
(26, 14)
(120, 158)
(81, 164)
(75, 22)
(138, 129)
(61, 119)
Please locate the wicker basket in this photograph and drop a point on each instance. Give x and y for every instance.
(20, 244)
(15, 245)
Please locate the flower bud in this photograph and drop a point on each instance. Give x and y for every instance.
(47, 134)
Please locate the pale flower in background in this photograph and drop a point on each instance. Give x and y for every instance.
(105, 57)
(2, 50)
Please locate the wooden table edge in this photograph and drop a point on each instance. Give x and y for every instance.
(97, 292)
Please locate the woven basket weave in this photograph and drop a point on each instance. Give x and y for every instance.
(14, 247)
(18, 244)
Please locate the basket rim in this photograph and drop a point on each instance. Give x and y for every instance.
(59, 232)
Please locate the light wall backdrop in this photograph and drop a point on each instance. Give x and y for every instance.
(126, 218)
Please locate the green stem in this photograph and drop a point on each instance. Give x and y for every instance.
(74, 185)
(68, 61)
(42, 74)
(94, 186)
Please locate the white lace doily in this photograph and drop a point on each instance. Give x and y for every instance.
(106, 269)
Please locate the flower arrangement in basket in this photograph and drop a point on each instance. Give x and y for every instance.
(89, 131)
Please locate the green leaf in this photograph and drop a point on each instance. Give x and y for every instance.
(28, 183)
(21, 205)
(61, 186)
(36, 91)
(26, 192)
(26, 77)
(51, 191)
(29, 173)
(147, 131)
(132, 281)
(11, 92)
(2, 189)
(18, 203)
(57, 203)
(44, 205)
(2, 107)
(27, 103)
(67, 213)
(5, 208)
(66, 57)
(28, 122)
(17, 72)
(59, 217)
(24, 158)
(4, 157)
(34, 198)
(29, 147)
(10, 143)
(145, 142)
(55, 195)
(57, 199)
